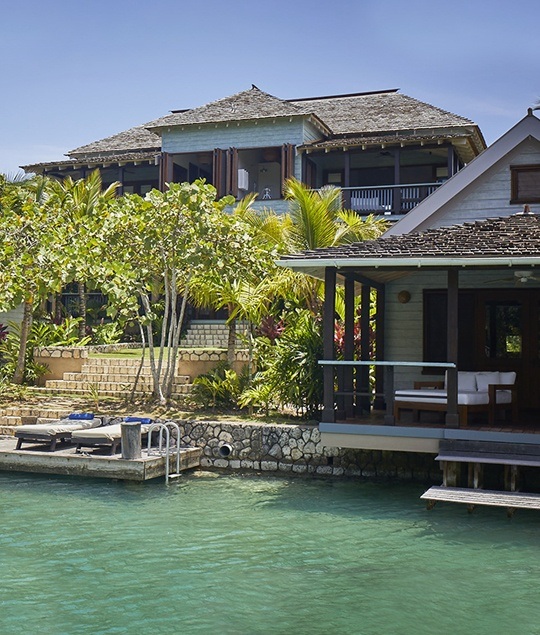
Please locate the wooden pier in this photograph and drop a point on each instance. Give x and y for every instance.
(91, 464)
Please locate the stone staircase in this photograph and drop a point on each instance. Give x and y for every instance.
(211, 334)
(111, 377)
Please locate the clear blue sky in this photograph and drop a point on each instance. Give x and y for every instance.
(76, 71)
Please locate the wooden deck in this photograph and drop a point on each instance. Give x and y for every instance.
(473, 497)
(93, 464)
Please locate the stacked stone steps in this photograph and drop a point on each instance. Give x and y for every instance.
(111, 377)
(211, 335)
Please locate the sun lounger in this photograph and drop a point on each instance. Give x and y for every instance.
(54, 431)
(109, 436)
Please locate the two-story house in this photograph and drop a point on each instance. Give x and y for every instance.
(386, 150)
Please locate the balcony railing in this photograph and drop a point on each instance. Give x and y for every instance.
(387, 199)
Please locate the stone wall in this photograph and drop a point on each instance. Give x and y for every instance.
(297, 449)
(195, 362)
(60, 360)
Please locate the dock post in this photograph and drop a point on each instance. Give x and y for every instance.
(131, 440)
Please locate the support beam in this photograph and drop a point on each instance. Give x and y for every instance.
(347, 181)
(329, 415)
(365, 402)
(348, 380)
(396, 207)
(452, 417)
(379, 403)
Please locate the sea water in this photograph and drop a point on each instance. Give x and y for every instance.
(259, 555)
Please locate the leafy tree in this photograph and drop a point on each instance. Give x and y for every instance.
(151, 251)
(30, 267)
(81, 205)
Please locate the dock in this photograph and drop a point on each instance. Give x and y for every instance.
(475, 455)
(473, 497)
(94, 464)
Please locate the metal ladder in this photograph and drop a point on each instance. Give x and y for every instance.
(164, 449)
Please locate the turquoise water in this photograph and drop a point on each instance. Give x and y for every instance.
(257, 556)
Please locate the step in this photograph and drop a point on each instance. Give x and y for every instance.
(107, 387)
(81, 391)
(117, 378)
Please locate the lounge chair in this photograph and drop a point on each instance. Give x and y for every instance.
(54, 431)
(109, 436)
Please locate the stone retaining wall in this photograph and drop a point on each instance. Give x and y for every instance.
(60, 360)
(197, 361)
(297, 449)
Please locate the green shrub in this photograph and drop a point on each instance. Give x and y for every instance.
(221, 387)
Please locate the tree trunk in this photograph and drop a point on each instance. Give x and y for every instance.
(82, 309)
(26, 326)
(58, 308)
(231, 343)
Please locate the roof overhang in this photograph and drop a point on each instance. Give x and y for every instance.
(316, 267)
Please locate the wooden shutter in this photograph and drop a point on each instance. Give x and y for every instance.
(287, 163)
(165, 170)
(232, 172)
(219, 162)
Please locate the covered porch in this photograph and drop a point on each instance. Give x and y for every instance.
(432, 305)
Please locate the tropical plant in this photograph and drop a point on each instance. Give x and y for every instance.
(221, 386)
(107, 333)
(290, 372)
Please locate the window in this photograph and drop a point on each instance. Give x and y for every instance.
(525, 181)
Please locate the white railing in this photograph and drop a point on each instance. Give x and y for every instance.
(387, 199)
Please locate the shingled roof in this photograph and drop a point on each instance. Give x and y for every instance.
(378, 112)
(247, 105)
(134, 139)
(516, 236)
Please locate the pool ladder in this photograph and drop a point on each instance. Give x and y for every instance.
(164, 446)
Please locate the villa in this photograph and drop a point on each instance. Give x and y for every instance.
(387, 151)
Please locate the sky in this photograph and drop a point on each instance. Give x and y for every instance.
(75, 71)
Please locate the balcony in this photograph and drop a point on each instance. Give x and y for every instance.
(387, 200)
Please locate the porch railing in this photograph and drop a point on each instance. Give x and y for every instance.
(330, 394)
(387, 199)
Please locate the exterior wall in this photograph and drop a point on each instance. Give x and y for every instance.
(242, 135)
(15, 315)
(404, 322)
(298, 450)
(489, 195)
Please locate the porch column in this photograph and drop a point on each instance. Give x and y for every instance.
(452, 417)
(451, 161)
(396, 205)
(120, 190)
(379, 403)
(328, 414)
(347, 180)
(365, 403)
(348, 353)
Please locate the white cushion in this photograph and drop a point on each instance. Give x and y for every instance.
(466, 380)
(465, 398)
(484, 379)
(60, 426)
(508, 378)
(105, 433)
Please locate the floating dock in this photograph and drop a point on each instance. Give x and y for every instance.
(65, 461)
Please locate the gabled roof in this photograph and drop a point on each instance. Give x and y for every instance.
(248, 105)
(493, 242)
(528, 127)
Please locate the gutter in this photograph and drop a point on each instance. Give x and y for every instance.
(411, 261)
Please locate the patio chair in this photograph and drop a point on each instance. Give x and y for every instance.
(54, 431)
(109, 436)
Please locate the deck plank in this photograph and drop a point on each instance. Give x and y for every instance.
(482, 497)
(484, 457)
